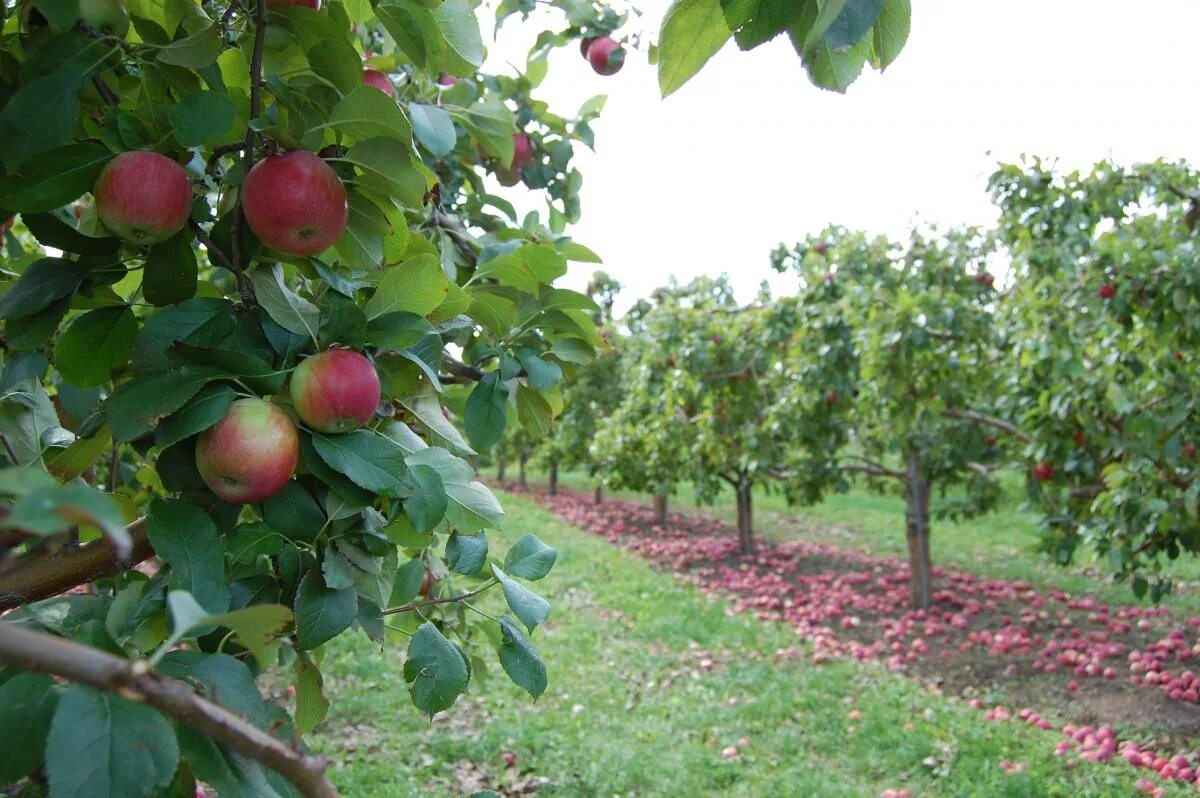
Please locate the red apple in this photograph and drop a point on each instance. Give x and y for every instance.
(820, 247)
(250, 454)
(295, 203)
(584, 44)
(143, 197)
(313, 4)
(606, 56)
(1043, 471)
(447, 80)
(1107, 291)
(335, 391)
(831, 397)
(522, 151)
(989, 280)
(1189, 449)
(1080, 439)
(989, 440)
(373, 77)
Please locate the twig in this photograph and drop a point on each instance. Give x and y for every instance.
(991, 421)
(8, 450)
(39, 652)
(459, 369)
(873, 470)
(105, 92)
(433, 602)
(113, 464)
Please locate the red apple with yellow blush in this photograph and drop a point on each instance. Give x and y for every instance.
(143, 197)
(250, 454)
(335, 391)
(295, 203)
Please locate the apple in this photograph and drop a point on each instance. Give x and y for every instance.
(250, 454)
(1107, 291)
(1080, 439)
(447, 80)
(335, 391)
(295, 203)
(1189, 449)
(143, 197)
(989, 440)
(373, 77)
(1043, 471)
(606, 56)
(989, 280)
(522, 151)
(329, 151)
(106, 16)
(820, 247)
(584, 44)
(831, 397)
(313, 4)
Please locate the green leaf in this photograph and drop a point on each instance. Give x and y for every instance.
(856, 19)
(492, 126)
(56, 510)
(295, 513)
(170, 273)
(761, 21)
(534, 412)
(311, 703)
(173, 324)
(51, 231)
(26, 416)
(428, 411)
(366, 113)
(336, 60)
(486, 412)
(139, 404)
(61, 14)
(27, 704)
(544, 375)
(837, 70)
(222, 679)
(257, 627)
(336, 570)
(205, 409)
(250, 541)
(184, 535)
(425, 504)
(54, 178)
(202, 117)
(693, 31)
(102, 745)
(529, 558)
(807, 38)
(361, 243)
(322, 614)
(414, 29)
(397, 331)
(433, 128)
(388, 168)
(891, 32)
(509, 270)
(289, 310)
(418, 285)
(460, 29)
(71, 462)
(194, 52)
(531, 608)
(519, 659)
(43, 282)
(95, 345)
(466, 554)
(435, 670)
(370, 460)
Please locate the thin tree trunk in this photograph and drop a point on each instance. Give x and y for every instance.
(501, 466)
(745, 517)
(917, 529)
(660, 509)
(524, 459)
(554, 476)
(598, 496)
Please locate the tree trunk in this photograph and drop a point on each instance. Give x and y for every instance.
(501, 466)
(745, 517)
(598, 496)
(660, 509)
(917, 529)
(524, 459)
(553, 476)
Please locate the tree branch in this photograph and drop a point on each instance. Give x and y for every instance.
(133, 680)
(991, 421)
(461, 370)
(36, 576)
(873, 470)
(434, 602)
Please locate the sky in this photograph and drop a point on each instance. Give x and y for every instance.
(750, 154)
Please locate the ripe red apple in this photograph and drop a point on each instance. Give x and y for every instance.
(606, 56)
(1107, 291)
(295, 203)
(522, 151)
(584, 44)
(1043, 471)
(831, 397)
(1189, 449)
(313, 4)
(335, 391)
(716, 339)
(1177, 355)
(820, 247)
(989, 280)
(106, 16)
(447, 80)
(143, 197)
(1080, 439)
(989, 440)
(373, 77)
(250, 454)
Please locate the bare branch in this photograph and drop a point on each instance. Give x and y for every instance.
(461, 370)
(30, 650)
(991, 421)
(873, 470)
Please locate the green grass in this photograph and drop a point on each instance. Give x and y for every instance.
(612, 724)
(1002, 544)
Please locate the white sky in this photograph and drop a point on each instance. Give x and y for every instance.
(749, 153)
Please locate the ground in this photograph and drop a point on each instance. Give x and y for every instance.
(659, 687)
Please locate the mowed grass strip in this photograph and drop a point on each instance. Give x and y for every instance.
(656, 691)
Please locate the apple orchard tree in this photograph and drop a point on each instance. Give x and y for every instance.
(254, 261)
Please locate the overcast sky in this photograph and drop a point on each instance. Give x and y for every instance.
(749, 153)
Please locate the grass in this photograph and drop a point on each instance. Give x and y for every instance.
(1002, 544)
(632, 710)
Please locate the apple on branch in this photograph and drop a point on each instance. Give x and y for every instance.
(143, 197)
(250, 454)
(606, 55)
(295, 203)
(378, 80)
(335, 391)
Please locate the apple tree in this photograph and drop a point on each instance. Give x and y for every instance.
(1103, 378)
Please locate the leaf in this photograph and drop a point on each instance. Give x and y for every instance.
(170, 273)
(71, 462)
(186, 537)
(519, 659)
(205, 409)
(692, 33)
(428, 411)
(890, 33)
(194, 52)
(26, 416)
(311, 703)
(170, 325)
(52, 179)
(418, 285)
(222, 679)
(361, 244)
(295, 513)
(762, 21)
(492, 126)
(414, 29)
(102, 745)
(433, 128)
(485, 415)
(531, 608)
(27, 704)
(43, 282)
(370, 460)
(534, 412)
(290, 311)
(435, 670)
(137, 405)
(336, 570)
(397, 331)
(837, 70)
(855, 21)
(55, 510)
(387, 166)
(250, 541)
(529, 558)
(366, 113)
(336, 60)
(544, 375)
(52, 231)
(202, 117)
(466, 554)
(96, 344)
(321, 613)
(425, 504)
(460, 29)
